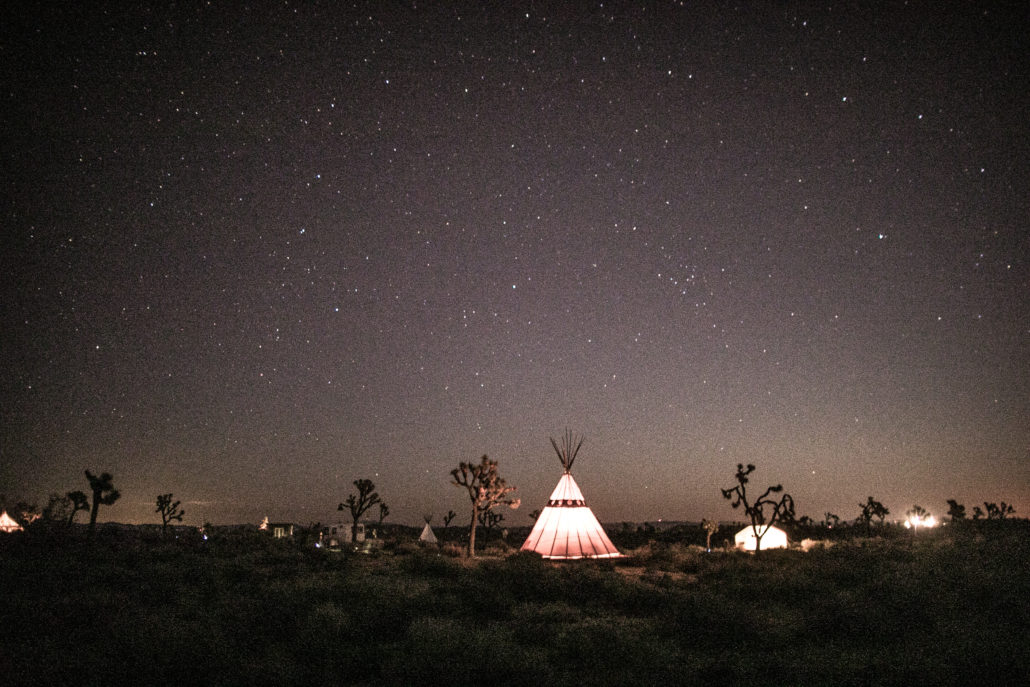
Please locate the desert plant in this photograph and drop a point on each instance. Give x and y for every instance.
(357, 505)
(57, 509)
(447, 518)
(998, 511)
(489, 519)
(486, 489)
(79, 502)
(104, 494)
(872, 509)
(778, 509)
(384, 510)
(169, 511)
(956, 510)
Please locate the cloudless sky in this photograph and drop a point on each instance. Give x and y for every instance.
(255, 252)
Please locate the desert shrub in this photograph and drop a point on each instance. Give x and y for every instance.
(616, 650)
(429, 563)
(438, 650)
(453, 550)
(404, 548)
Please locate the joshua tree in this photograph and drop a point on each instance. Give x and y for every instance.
(384, 510)
(79, 502)
(781, 509)
(917, 511)
(486, 489)
(998, 512)
(169, 511)
(104, 493)
(447, 518)
(956, 510)
(366, 498)
(710, 527)
(490, 519)
(917, 517)
(872, 509)
(978, 513)
(832, 520)
(57, 509)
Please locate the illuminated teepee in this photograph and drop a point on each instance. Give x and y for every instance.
(9, 524)
(567, 527)
(427, 536)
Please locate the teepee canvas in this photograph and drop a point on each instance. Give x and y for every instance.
(427, 536)
(567, 527)
(9, 524)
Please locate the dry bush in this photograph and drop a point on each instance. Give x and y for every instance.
(452, 550)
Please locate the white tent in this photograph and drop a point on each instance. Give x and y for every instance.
(772, 538)
(427, 536)
(567, 528)
(9, 524)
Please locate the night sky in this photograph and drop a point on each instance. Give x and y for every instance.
(253, 254)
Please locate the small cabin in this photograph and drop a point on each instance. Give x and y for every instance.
(335, 536)
(282, 530)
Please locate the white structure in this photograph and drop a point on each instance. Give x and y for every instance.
(772, 538)
(336, 535)
(9, 524)
(427, 536)
(567, 528)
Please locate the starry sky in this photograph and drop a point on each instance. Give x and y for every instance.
(255, 252)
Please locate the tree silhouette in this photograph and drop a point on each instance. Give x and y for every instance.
(366, 498)
(872, 509)
(79, 502)
(447, 518)
(490, 519)
(956, 510)
(104, 494)
(918, 516)
(486, 489)
(779, 509)
(710, 527)
(998, 512)
(832, 520)
(57, 509)
(169, 511)
(384, 510)
(978, 513)
(917, 511)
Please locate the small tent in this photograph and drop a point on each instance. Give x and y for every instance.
(427, 536)
(567, 528)
(9, 524)
(772, 538)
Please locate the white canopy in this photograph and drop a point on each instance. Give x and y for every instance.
(772, 538)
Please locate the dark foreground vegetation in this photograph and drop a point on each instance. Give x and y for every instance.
(949, 608)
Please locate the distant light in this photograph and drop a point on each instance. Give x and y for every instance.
(916, 521)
